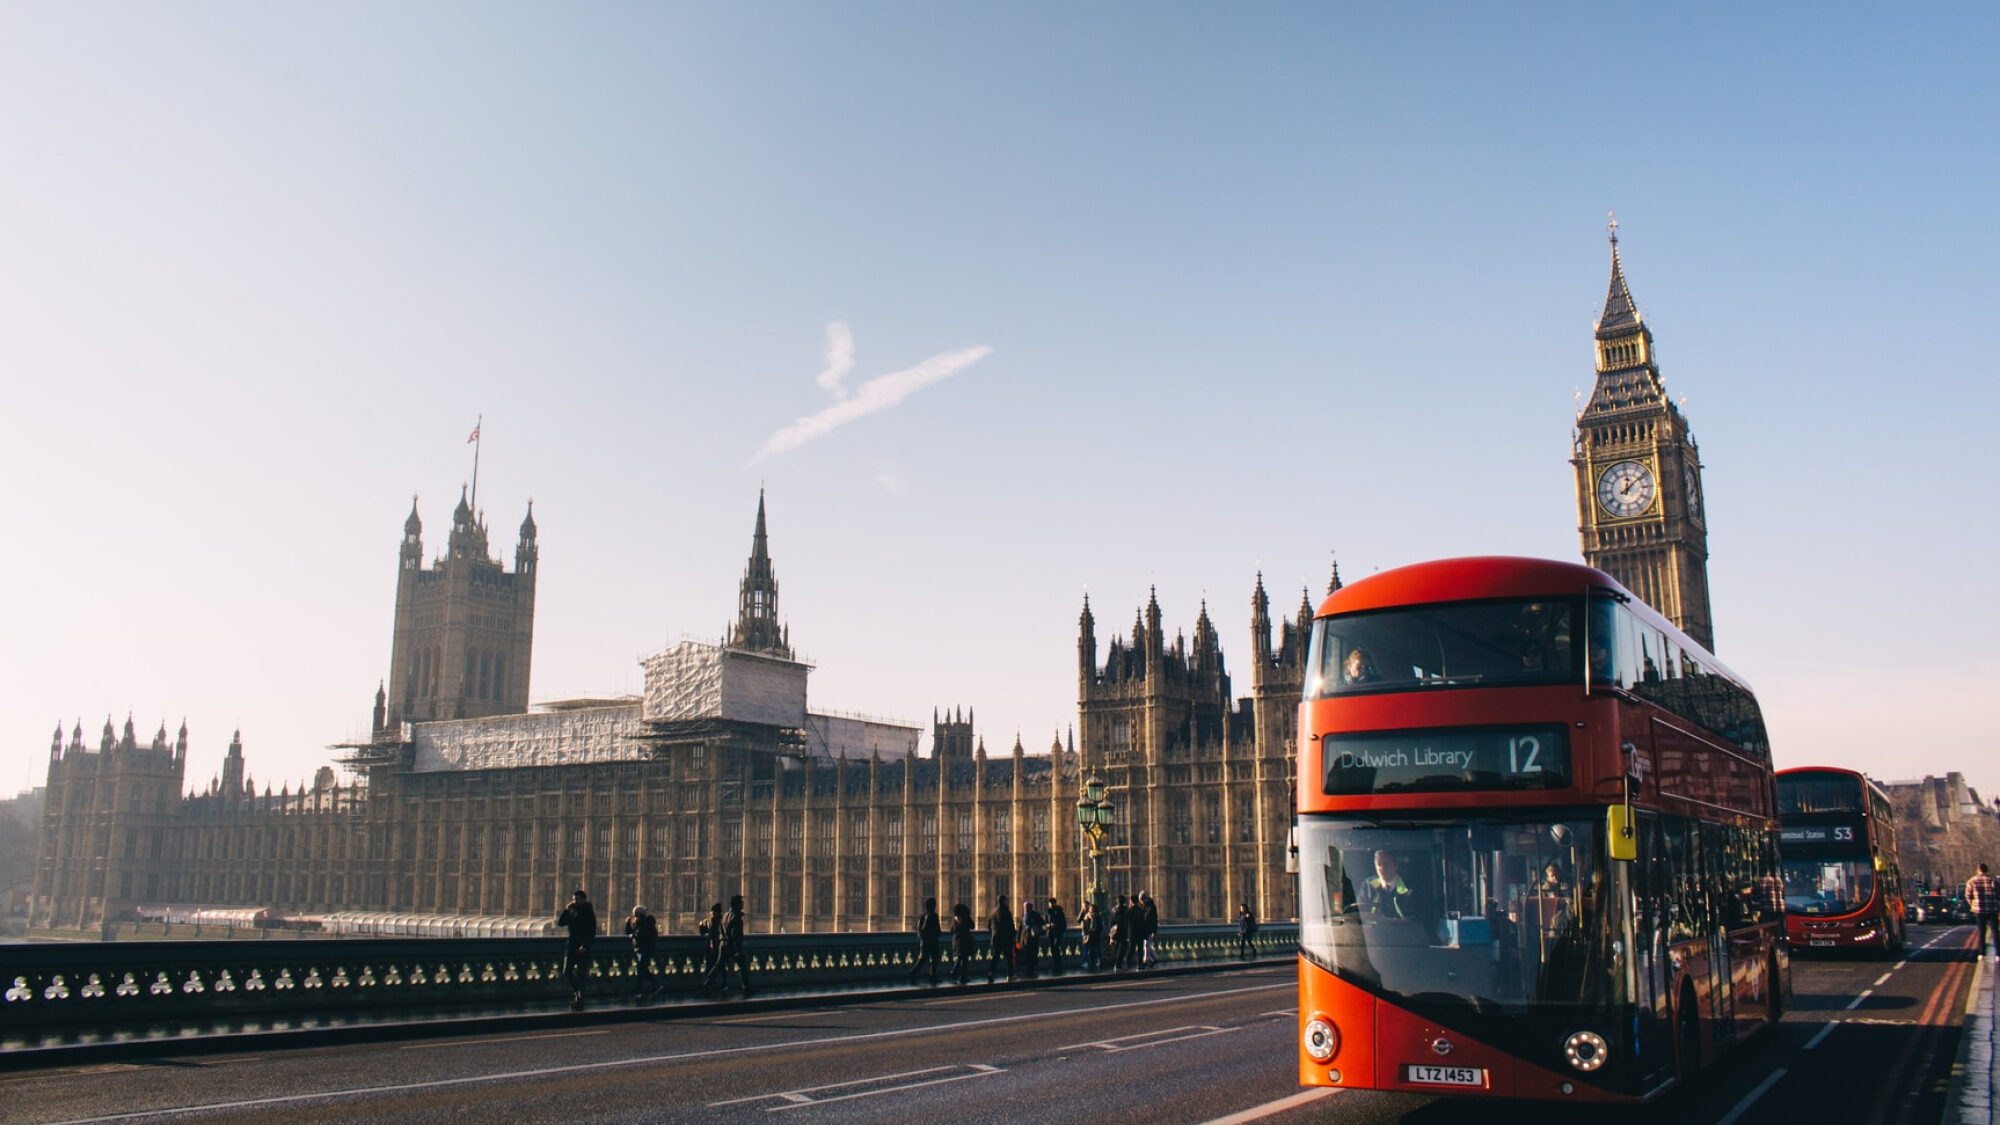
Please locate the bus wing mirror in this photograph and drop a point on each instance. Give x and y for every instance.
(1618, 835)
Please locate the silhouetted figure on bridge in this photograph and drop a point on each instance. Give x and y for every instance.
(1982, 897)
(1002, 934)
(644, 931)
(579, 918)
(927, 942)
(1058, 933)
(963, 945)
(732, 950)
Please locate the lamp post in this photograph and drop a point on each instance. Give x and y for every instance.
(1093, 817)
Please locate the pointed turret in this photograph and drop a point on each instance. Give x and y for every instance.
(1086, 643)
(55, 747)
(1260, 621)
(110, 735)
(1333, 583)
(757, 625)
(181, 741)
(130, 739)
(232, 766)
(381, 713)
(1621, 313)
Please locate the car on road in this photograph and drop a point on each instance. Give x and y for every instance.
(1930, 908)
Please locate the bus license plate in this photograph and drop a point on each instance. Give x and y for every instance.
(1447, 1075)
(1819, 941)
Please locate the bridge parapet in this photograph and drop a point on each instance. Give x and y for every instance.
(126, 985)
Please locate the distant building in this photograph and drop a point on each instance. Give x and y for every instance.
(1945, 830)
(718, 780)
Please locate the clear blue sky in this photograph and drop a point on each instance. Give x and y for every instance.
(1258, 283)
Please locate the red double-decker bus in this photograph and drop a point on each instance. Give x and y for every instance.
(1843, 881)
(1538, 844)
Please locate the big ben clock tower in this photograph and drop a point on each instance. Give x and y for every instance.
(1638, 473)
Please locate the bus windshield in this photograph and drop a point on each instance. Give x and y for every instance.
(1802, 792)
(1514, 641)
(1492, 915)
(1828, 886)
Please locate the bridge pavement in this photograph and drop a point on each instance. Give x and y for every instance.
(1871, 1042)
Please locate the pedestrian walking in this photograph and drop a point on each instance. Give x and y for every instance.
(1091, 926)
(1982, 897)
(1149, 925)
(963, 943)
(1034, 928)
(711, 935)
(1058, 932)
(1001, 933)
(1246, 931)
(644, 930)
(1121, 934)
(579, 921)
(731, 951)
(927, 941)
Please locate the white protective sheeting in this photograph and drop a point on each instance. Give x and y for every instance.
(692, 680)
(842, 736)
(541, 738)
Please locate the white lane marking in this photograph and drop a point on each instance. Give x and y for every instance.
(807, 1095)
(1743, 1106)
(509, 1039)
(1883, 979)
(980, 1070)
(1821, 1037)
(1281, 1012)
(647, 1060)
(1258, 1112)
(1152, 1038)
(1856, 1002)
(1899, 965)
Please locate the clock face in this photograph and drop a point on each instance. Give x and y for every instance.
(1694, 491)
(1625, 489)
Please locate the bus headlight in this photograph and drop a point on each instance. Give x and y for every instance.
(1585, 1050)
(1321, 1041)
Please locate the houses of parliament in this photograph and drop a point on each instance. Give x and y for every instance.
(467, 804)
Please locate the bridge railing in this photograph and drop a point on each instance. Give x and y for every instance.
(128, 984)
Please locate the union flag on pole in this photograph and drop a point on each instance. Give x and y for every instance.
(474, 436)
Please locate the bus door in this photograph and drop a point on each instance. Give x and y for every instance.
(1721, 952)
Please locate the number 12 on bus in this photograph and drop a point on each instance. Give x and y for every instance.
(1538, 853)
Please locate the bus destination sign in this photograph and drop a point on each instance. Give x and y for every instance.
(1445, 761)
(1819, 833)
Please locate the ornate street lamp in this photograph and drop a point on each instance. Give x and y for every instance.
(1093, 816)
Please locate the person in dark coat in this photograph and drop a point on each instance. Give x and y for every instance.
(731, 950)
(1149, 925)
(644, 931)
(579, 920)
(963, 944)
(1121, 934)
(1028, 947)
(927, 942)
(711, 933)
(1058, 933)
(1001, 932)
(1090, 925)
(1246, 929)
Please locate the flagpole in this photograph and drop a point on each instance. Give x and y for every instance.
(476, 426)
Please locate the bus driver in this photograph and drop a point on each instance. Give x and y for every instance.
(1385, 895)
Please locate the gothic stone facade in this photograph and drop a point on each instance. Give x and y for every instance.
(678, 813)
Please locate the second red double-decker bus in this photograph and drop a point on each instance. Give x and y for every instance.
(1843, 882)
(1538, 853)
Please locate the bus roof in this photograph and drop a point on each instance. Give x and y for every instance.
(1476, 577)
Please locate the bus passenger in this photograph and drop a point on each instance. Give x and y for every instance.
(1358, 668)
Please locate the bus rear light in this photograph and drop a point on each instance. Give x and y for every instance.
(1585, 1050)
(1321, 1039)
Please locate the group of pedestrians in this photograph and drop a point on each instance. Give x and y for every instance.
(722, 935)
(1111, 940)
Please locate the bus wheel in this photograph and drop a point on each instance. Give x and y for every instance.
(1687, 1036)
